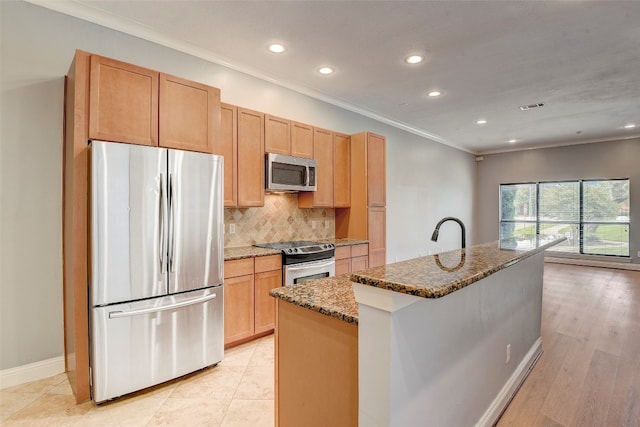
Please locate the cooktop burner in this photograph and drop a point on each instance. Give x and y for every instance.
(301, 250)
(287, 245)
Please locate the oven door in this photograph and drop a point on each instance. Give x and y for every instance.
(305, 271)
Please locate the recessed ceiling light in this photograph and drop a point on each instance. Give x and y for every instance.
(435, 93)
(481, 122)
(414, 59)
(277, 48)
(630, 126)
(512, 141)
(325, 70)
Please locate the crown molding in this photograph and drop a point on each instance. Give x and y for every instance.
(134, 28)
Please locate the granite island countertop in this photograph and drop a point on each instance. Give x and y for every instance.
(432, 276)
(332, 296)
(435, 276)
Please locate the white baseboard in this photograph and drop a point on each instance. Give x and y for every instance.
(593, 263)
(499, 404)
(31, 372)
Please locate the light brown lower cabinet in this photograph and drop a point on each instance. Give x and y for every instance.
(268, 276)
(249, 311)
(351, 258)
(359, 257)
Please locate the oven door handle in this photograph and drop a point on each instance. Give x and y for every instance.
(307, 266)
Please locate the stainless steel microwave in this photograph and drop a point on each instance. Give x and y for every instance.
(288, 173)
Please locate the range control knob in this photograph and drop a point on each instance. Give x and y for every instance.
(295, 249)
(289, 250)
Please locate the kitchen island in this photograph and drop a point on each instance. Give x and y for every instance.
(438, 340)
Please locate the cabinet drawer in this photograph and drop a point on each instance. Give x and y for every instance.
(359, 250)
(238, 267)
(268, 263)
(343, 252)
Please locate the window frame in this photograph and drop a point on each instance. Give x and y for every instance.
(581, 222)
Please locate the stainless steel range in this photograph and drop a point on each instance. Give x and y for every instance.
(304, 260)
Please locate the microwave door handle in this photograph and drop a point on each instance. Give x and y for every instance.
(306, 175)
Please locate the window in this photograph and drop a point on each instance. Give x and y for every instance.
(592, 214)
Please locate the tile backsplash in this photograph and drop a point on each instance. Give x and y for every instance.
(279, 220)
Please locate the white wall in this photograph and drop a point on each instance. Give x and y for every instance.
(441, 362)
(425, 180)
(610, 159)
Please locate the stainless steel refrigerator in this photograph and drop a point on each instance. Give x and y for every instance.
(156, 281)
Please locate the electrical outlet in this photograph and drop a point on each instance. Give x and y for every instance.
(508, 354)
(326, 223)
(313, 225)
(232, 229)
(638, 254)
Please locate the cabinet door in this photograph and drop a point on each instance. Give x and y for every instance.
(343, 266)
(341, 171)
(376, 224)
(238, 308)
(123, 102)
(359, 263)
(323, 154)
(228, 148)
(265, 304)
(189, 114)
(250, 158)
(277, 135)
(376, 170)
(301, 140)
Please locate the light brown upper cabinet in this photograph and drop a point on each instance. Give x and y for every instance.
(136, 105)
(376, 167)
(123, 102)
(250, 171)
(366, 217)
(301, 140)
(323, 154)
(228, 147)
(341, 170)
(277, 135)
(189, 114)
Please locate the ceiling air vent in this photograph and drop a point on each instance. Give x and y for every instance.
(530, 106)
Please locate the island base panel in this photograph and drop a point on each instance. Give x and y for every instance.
(316, 369)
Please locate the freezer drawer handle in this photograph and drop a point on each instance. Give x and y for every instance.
(117, 314)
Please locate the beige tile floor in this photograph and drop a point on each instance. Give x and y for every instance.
(237, 392)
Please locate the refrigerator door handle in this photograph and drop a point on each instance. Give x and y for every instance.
(118, 314)
(162, 214)
(172, 238)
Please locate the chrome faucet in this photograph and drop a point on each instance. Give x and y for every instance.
(434, 236)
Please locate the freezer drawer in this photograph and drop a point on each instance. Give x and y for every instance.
(139, 344)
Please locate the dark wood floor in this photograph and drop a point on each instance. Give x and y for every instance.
(589, 373)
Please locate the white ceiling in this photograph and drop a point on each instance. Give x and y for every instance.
(580, 58)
